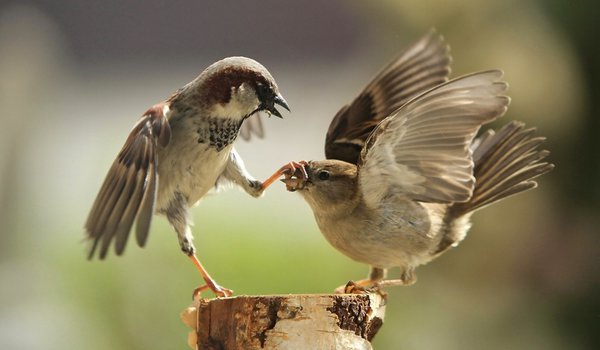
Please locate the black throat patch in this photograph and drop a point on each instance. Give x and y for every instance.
(218, 132)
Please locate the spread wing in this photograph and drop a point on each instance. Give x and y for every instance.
(424, 65)
(422, 149)
(129, 189)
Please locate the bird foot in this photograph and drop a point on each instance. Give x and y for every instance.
(369, 286)
(398, 282)
(295, 175)
(220, 292)
(360, 287)
(290, 169)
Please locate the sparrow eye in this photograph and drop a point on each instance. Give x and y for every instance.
(323, 175)
(262, 90)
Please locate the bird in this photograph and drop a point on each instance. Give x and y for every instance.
(177, 152)
(404, 170)
(422, 66)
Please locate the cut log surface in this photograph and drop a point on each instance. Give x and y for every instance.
(307, 321)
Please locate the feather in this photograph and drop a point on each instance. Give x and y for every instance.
(506, 162)
(423, 147)
(424, 65)
(129, 190)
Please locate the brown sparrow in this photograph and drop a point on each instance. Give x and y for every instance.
(400, 184)
(178, 151)
(422, 66)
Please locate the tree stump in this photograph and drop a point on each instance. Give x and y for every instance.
(311, 321)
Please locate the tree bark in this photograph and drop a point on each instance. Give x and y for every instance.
(312, 321)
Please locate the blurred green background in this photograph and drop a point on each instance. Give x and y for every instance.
(76, 75)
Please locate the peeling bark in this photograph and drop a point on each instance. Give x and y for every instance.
(338, 321)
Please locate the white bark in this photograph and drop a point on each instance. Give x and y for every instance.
(336, 321)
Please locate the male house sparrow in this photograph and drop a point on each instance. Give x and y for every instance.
(178, 151)
(400, 184)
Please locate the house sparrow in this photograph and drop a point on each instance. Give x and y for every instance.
(399, 186)
(178, 151)
(422, 66)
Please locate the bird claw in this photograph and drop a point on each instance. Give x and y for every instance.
(352, 288)
(220, 292)
(295, 169)
(295, 175)
(210, 283)
(289, 170)
(361, 287)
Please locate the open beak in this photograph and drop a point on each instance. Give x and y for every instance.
(279, 100)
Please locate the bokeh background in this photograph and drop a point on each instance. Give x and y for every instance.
(75, 76)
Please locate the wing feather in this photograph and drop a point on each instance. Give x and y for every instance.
(421, 67)
(133, 204)
(506, 163)
(147, 207)
(422, 149)
(129, 190)
(122, 199)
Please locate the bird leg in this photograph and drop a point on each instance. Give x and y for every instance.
(210, 283)
(376, 275)
(177, 214)
(376, 281)
(407, 278)
(288, 169)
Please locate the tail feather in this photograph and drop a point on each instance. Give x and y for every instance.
(506, 162)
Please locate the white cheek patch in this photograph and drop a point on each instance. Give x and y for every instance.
(243, 102)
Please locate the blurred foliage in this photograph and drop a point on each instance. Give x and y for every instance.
(75, 77)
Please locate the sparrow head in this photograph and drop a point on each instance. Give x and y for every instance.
(237, 87)
(327, 184)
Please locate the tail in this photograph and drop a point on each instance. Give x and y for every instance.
(506, 162)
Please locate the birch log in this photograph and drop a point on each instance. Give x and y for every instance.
(311, 321)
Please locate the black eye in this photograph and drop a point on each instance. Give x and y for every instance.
(262, 90)
(323, 175)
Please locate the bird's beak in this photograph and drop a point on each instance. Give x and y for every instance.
(296, 180)
(279, 100)
(292, 184)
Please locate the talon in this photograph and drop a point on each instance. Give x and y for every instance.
(288, 170)
(355, 288)
(351, 287)
(301, 165)
(196, 293)
(220, 292)
(210, 283)
(360, 287)
(296, 169)
(345, 288)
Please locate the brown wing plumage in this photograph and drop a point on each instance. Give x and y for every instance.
(506, 163)
(422, 149)
(424, 65)
(129, 189)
